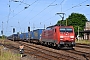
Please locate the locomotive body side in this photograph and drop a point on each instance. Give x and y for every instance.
(50, 36)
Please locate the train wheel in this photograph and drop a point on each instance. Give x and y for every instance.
(58, 46)
(28, 41)
(43, 43)
(70, 47)
(46, 43)
(52, 44)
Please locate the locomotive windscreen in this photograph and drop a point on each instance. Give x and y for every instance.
(66, 30)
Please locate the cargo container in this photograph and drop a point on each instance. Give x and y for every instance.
(13, 37)
(20, 36)
(25, 36)
(31, 34)
(37, 34)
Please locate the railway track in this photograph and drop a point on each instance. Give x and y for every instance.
(83, 54)
(87, 46)
(83, 44)
(46, 53)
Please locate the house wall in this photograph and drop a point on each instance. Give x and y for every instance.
(87, 27)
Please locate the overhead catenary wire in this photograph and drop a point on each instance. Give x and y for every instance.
(45, 19)
(19, 26)
(72, 7)
(21, 2)
(31, 10)
(47, 7)
(76, 5)
(34, 2)
(24, 8)
(10, 13)
(46, 14)
(42, 10)
(48, 19)
(9, 5)
(65, 11)
(61, 5)
(53, 9)
(17, 13)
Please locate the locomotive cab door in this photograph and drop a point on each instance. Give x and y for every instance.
(56, 36)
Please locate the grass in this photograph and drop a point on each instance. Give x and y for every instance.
(83, 41)
(3, 41)
(8, 55)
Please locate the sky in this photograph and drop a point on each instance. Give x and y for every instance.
(37, 13)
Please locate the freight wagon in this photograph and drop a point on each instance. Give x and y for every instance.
(36, 35)
(13, 37)
(24, 36)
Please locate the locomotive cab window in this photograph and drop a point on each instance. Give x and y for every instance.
(69, 30)
(66, 30)
(62, 29)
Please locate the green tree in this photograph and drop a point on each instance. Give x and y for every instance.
(75, 19)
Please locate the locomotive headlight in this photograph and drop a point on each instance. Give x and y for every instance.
(72, 39)
(61, 36)
(71, 36)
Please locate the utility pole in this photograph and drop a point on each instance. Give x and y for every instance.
(66, 22)
(13, 33)
(44, 26)
(2, 32)
(2, 29)
(33, 26)
(50, 23)
(78, 33)
(28, 33)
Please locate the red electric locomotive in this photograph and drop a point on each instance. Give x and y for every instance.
(60, 36)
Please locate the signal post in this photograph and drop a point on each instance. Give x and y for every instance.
(29, 33)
